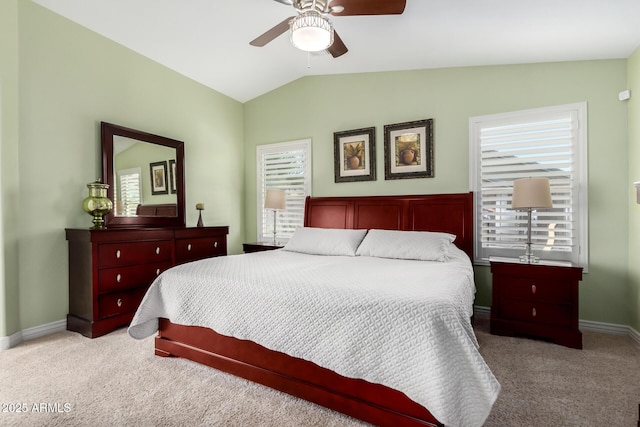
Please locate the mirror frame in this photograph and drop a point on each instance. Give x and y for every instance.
(108, 131)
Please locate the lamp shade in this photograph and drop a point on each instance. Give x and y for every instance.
(531, 193)
(276, 199)
(311, 32)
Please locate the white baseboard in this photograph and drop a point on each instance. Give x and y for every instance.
(635, 335)
(46, 329)
(608, 328)
(32, 333)
(11, 341)
(585, 325)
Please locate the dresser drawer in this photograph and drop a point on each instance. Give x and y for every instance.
(536, 289)
(115, 254)
(529, 311)
(120, 302)
(205, 247)
(133, 276)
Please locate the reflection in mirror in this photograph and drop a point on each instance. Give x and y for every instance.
(144, 175)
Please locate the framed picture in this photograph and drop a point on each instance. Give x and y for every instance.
(408, 150)
(158, 178)
(172, 176)
(354, 154)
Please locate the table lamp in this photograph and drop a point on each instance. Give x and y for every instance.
(528, 194)
(276, 200)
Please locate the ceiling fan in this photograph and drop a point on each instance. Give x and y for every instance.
(311, 29)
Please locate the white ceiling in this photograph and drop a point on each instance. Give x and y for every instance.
(208, 40)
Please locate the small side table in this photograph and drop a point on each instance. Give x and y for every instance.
(259, 246)
(536, 300)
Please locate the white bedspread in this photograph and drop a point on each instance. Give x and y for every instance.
(401, 323)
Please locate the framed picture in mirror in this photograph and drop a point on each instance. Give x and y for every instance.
(158, 178)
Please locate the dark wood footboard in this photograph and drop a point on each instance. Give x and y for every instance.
(373, 403)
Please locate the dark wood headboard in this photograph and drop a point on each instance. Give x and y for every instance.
(170, 209)
(449, 213)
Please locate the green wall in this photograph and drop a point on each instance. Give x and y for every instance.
(70, 79)
(9, 125)
(634, 176)
(58, 80)
(318, 106)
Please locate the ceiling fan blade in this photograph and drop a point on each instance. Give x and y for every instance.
(271, 34)
(337, 48)
(287, 2)
(367, 7)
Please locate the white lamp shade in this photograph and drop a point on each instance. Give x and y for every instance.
(531, 193)
(311, 32)
(275, 199)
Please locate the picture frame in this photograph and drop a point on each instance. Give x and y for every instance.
(408, 150)
(354, 153)
(172, 177)
(158, 178)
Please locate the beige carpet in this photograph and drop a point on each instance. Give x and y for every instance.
(66, 379)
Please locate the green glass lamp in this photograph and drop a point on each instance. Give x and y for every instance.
(97, 203)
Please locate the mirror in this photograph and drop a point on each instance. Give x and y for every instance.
(145, 173)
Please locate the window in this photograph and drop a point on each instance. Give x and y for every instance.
(548, 142)
(128, 194)
(285, 166)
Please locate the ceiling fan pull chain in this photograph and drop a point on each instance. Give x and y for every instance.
(308, 59)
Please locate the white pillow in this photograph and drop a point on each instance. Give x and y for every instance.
(418, 245)
(325, 241)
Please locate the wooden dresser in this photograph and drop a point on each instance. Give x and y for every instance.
(536, 300)
(111, 269)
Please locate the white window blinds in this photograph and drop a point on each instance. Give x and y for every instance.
(548, 142)
(128, 192)
(285, 166)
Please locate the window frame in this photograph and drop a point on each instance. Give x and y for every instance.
(263, 214)
(135, 171)
(579, 184)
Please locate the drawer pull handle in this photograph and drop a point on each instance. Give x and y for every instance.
(533, 312)
(533, 289)
(119, 302)
(118, 253)
(158, 250)
(189, 246)
(215, 244)
(157, 271)
(118, 277)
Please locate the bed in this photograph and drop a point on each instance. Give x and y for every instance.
(388, 378)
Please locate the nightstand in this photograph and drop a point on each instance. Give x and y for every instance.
(536, 300)
(259, 246)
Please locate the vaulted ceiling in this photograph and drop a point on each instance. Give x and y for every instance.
(208, 40)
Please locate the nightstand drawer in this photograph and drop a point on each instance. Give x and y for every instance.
(120, 302)
(528, 311)
(115, 254)
(133, 276)
(536, 289)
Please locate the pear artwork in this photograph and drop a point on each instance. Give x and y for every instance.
(354, 154)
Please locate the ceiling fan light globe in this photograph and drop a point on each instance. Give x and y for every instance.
(311, 39)
(311, 32)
